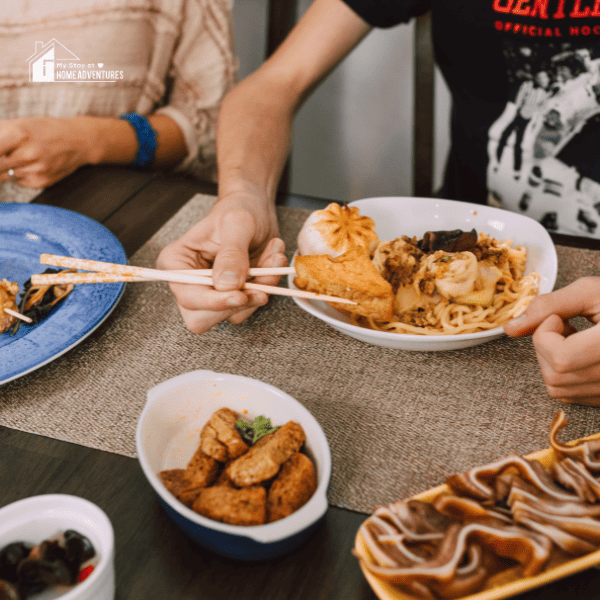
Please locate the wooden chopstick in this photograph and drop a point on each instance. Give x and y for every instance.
(117, 273)
(14, 313)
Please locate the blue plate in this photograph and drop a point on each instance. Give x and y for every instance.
(28, 230)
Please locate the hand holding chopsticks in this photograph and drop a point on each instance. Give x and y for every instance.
(114, 273)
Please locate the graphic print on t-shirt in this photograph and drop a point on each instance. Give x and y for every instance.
(543, 150)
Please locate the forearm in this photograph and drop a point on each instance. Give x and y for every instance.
(253, 138)
(114, 141)
(255, 122)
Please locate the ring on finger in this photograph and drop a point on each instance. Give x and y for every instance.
(11, 175)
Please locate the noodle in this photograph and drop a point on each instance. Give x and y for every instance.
(448, 293)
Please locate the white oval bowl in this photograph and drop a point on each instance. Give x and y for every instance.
(168, 434)
(38, 518)
(398, 216)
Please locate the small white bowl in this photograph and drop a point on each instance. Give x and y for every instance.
(395, 217)
(38, 518)
(168, 434)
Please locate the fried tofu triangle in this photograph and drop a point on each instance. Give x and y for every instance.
(246, 506)
(263, 460)
(351, 275)
(293, 487)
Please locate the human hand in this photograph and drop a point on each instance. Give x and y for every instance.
(43, 150)
(235, 234)
(569, 360)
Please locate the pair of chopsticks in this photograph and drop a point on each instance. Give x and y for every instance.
(114, 273)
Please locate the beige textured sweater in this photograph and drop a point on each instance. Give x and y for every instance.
(65, 58)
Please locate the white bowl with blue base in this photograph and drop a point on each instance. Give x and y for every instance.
(168, 434)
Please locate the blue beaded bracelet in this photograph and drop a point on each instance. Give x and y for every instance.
(146, 138)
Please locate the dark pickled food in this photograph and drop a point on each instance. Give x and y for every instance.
(456, 240)
(9, 591)
(10, 557)
(63, 560)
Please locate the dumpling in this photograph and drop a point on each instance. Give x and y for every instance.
(335, 230)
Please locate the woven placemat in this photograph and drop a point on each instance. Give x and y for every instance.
(398, 422)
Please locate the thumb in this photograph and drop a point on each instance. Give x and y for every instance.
(231, 263)
(553, 325)
(578, 298)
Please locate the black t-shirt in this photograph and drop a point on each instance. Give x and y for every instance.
(525, 82)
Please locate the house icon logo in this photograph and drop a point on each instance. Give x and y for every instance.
(42, 61)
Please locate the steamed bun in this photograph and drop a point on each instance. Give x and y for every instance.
(335, 230)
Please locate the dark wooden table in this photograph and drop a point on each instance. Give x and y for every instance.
(154, 560)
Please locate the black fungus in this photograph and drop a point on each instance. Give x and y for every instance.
(456, 240)
(37, 573)
(27, 569)
(10, 557)
(78, 549)
(39, 311)
(9, 591)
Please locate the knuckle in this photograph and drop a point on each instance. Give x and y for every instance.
(553, 379)
(561, 364)
(196, 325)
(555, 392)
(540, 304)
(238, 317)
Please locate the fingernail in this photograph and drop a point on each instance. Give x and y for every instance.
(278, 246)
(517, 320)
(233, 302)
(228, 278)
(279, 261)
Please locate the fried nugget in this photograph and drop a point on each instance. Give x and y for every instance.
(202, 470)
(293, 487)
(210, 445)
(223, 480)
(186, 484)
(246, 506)
(174, 480)
(223, 422)
(263, 461)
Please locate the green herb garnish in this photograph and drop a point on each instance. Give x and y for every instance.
(252, 432)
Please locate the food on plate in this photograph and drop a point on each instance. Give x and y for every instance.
(351, 275)
(36, 302)
(244, 506)
(444, 283)
(245, 473)
(220, 439)
(265, 457)
(478, 285)
(491, 525)
(59, 562)
(335, 230)
(8, 299)
(293, 486)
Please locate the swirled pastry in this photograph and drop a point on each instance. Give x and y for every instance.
(335, 230)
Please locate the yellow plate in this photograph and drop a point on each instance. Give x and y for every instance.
(387, 591)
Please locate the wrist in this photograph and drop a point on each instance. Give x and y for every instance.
(109, 140)
(251, 200)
